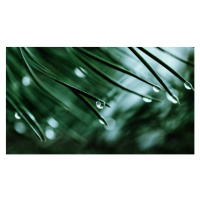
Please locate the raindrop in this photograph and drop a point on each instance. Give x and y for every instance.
(188, 85)
(156, 89)
(17, 116)
(52, 122)
(173, 100)
(50, 134)
(148, 100)
(20, 127)
(101, 121)
(26, 80)
(100, 104)
(80, 72)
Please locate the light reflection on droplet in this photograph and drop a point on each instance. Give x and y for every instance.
(52, 122)
(26, 80)
(50, 134)
(147, 100)
(79, 72)
(17, 116)
(101, 121)
(188, 85)
(156, 89)
(174, 100)
(100, 104)
(20, 127)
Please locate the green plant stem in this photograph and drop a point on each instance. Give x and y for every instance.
(164, 65)
(92, 108)
(114, 66)
(25, 114)
(43, 88)
(153, 72)
(180, 59)
(112, 81)
(58, 80)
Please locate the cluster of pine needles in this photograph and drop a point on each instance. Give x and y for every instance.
(41, 68)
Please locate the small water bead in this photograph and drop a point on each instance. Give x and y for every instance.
(26, 80)
(147, 100)
(80, 72)
(101, 121)
(174, 100)
(52, 122)
(188, 85)
(50, 134)
(20, 127)
(156, 89)
(17, 116)
(100, 104)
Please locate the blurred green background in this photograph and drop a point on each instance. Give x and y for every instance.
(135, 126)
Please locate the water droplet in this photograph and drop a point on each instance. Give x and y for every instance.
(156, 89)
(17, 116)
(50, 134)
(100, 104)
(173, 100)
(52, 122)
(101, 121)
(188, 85)
(20, 127)
(26, 80)
(148, 100)
(80, 72)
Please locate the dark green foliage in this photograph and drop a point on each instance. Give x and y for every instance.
(55, 91)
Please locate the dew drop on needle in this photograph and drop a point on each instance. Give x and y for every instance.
(156, 89)
(100, 104)
(17, 116)
(174, 100)
(188, 85)
(101, 121)
(147, 100)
